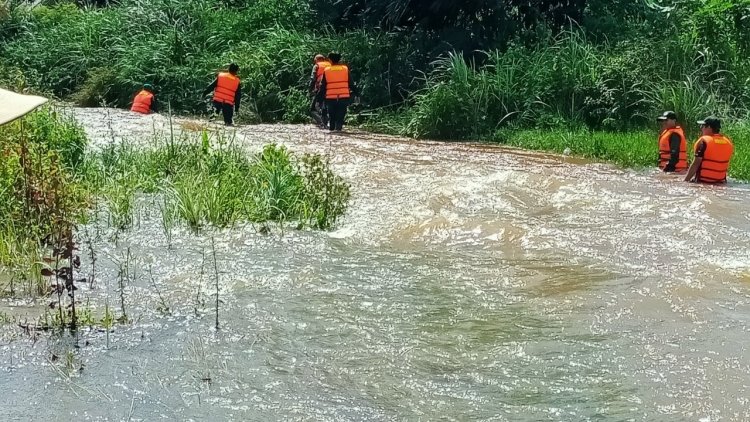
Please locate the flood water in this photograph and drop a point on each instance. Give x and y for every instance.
(466, 282)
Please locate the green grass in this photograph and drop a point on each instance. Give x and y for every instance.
(218, 186)
(562, 80)
(40, 196)
(632, 149)
(97, 56)
(48, 184)
(627, 149)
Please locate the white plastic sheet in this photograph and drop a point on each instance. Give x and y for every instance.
(13, 106)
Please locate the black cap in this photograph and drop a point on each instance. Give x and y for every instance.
(712, 122)
(334, 57)
(668, 115)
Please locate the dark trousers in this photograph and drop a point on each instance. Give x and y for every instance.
(337, 113)
(322, 112)
(227, 110)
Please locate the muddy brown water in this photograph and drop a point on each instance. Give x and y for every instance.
(467, 282)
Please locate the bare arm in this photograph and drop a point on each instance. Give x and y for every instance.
(700, 149)
(693, 170)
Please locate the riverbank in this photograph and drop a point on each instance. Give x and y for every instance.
(462, 272)
(627, 149)
(603, 75)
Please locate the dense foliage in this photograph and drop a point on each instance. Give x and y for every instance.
(445, 69)
(40, 198)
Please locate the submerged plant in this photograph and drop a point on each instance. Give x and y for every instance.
(168, 218)
(326, 195)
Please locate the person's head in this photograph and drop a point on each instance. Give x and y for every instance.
(319, 58)
(335, 58)
(668, 120)
(148, 88)
(234, 68)
(710, 126)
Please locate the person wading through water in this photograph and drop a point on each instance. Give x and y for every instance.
(145, 101)
(336, 89)
(227, 93)
(712, 154)
(319, 112)
(672, 145)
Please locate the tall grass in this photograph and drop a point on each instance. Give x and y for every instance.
(40, 198)
(103, 55)
(569, 82)
(633, 149)
(219, 186)
(47, 184)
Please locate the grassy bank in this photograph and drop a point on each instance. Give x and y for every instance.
(601, 74)
(474, 73)
(628, 149)
(50, 185)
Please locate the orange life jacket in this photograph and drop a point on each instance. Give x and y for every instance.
(142, 102)
(337, 82)
(226, 87)
(716, 158)
(665, 150)
(322, 66)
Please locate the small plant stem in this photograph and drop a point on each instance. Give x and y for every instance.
(216, 276)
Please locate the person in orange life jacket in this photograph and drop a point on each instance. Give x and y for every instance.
(145, 101)
(672, 144)
(336, 89)
(713, 152)
(321, 63)
(227, 93)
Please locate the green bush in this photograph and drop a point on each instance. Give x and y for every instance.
(57, 133)
(296, 107)
(40, 197)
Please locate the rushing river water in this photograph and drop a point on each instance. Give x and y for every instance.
(467, 282)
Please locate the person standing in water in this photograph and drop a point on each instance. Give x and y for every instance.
(672, 145)
(336, 89)
(713, 151)
(227, 89)
(321, 64)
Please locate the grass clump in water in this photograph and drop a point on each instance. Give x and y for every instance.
(219, 186)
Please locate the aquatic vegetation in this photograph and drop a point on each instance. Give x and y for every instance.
(220, 185)
(6, 318)
(62, 266)
(48, 185)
